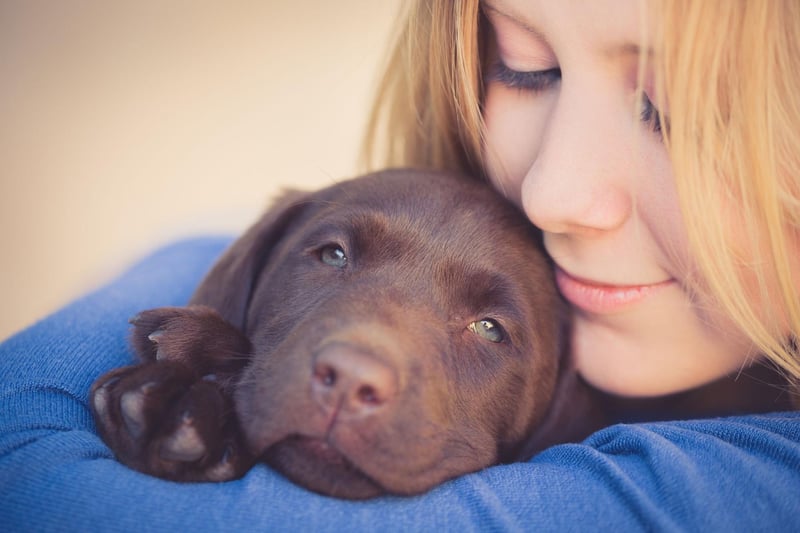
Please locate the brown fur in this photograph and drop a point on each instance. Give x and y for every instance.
(360, 377)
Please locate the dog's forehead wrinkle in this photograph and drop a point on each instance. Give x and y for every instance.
(415, 234)
(470, 292)
(415, 202)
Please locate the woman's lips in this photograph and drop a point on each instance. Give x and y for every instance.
(594, 297)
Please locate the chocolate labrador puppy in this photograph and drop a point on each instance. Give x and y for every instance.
(382, 335)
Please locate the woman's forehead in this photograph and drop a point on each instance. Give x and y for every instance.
(613, 26)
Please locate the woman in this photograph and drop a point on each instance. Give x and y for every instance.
(657, 152)
(674, 240)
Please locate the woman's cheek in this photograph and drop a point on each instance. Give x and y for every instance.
(516, 124)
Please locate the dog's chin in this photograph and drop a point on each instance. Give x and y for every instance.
(316, 465)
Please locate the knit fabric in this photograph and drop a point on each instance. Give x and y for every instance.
(728, 474)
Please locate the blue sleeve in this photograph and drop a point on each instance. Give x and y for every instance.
(734, 474)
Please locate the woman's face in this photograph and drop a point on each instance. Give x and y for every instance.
(567, 142)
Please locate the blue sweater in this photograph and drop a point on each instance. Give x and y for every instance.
(730, 474)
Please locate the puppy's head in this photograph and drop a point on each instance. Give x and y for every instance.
(405, 327)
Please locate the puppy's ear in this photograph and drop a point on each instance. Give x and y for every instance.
(231, 281)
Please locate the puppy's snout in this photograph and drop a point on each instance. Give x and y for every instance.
(355, 382)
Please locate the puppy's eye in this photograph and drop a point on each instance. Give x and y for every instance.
(488, 329)
(333, 255)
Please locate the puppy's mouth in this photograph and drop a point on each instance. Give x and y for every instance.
(316, 464)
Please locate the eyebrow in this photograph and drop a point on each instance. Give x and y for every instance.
(614, 50)
(627, 49)
(513, 17)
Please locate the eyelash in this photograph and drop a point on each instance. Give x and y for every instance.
(651, 116)
(535, 80)
(540, 80)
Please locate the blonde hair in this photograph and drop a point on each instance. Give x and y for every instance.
(428, 107)
(730, 71)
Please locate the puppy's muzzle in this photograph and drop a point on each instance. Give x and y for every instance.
(350, 383)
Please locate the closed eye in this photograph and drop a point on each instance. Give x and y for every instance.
(651, 116)
(533, 81)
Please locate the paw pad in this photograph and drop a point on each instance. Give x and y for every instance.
(132, 408)
(100, 397)
(184, 444)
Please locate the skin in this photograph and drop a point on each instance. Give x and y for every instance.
(576, 155)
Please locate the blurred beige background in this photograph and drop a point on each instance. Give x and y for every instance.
(127, 124)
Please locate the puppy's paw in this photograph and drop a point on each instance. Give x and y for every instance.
(195, 335)
(160, 419)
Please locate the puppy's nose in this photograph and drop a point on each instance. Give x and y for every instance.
(351, 380)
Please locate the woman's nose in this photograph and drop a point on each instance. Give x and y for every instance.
(580, 182)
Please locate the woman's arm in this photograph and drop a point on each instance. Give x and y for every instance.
(55, 473)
